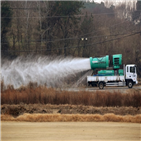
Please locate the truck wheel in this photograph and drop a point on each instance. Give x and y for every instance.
(130, 84)
(101, 85)
(93, 85)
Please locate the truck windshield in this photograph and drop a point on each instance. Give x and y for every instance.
(132, 69)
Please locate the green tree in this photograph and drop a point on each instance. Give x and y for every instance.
(6, 14)
(65, 24)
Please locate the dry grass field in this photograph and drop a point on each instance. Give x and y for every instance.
(39, 103)
(39, 113)
(70, 131)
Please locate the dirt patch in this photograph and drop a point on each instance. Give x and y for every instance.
(16, 110)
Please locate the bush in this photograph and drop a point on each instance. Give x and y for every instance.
(44, 95)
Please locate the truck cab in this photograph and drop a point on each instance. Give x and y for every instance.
(131, 75)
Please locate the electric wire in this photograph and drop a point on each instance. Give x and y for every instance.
(78, 46)
(81, 36)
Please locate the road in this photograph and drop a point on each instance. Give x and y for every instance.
(69, 131)
(110, 89)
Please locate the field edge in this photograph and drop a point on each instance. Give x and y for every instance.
(72, 118)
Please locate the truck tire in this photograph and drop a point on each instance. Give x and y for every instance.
(93, 85)
(130, 84)
(101, 85)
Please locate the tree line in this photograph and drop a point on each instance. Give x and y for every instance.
(76, 28)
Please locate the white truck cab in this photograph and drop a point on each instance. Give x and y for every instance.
(131, 75)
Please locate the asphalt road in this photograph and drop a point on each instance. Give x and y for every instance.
(70, 131)
(110, 89)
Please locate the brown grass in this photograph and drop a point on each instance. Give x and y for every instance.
(44, 95)
(2, 86)
(72, 118)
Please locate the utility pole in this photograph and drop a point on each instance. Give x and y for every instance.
(84, 47)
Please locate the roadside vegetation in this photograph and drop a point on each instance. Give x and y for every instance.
(72, 118)
(41, 94)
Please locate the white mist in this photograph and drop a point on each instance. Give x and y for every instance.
(41, 70)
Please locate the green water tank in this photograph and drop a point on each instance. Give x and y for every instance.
(120, 72)
(102, 62)
(106, 72)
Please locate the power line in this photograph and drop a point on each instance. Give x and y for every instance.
(91, 37)
(84, 35)
(79, 46)
(104, 41)
(62, 16)
(102, 29)
(78, 37)
(108, 27)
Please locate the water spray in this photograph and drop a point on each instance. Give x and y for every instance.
(41, 70)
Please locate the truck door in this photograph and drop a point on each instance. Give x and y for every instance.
(131, 73)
